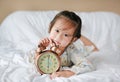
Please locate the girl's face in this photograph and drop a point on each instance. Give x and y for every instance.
(62, 32)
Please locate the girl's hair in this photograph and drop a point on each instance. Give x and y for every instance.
(71, 16)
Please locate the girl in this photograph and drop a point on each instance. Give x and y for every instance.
(65, 32)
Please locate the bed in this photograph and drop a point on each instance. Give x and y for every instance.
(21, 31)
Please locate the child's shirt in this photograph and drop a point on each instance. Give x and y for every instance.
(74, 58)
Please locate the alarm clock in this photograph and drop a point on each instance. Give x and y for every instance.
(48, 61)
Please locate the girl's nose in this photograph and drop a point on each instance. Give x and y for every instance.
(57, 39)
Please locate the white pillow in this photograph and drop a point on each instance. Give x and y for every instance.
(25, 28)
(102, 28)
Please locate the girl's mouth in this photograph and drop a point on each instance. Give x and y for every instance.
(56, 43)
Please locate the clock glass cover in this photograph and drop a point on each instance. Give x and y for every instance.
(48, 62)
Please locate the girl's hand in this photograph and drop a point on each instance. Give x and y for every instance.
(43, 44)
(64, 73)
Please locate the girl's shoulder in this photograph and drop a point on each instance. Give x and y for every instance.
(88, 42)
(78, 45)
(80, 48)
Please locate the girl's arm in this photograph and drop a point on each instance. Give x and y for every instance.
(87, 42)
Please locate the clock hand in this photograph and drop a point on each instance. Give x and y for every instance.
(48, 60)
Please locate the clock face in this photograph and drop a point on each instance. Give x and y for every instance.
(48, 62)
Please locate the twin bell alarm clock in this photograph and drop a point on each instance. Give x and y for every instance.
(48, 61)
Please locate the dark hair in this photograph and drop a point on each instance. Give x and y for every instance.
(71, 16)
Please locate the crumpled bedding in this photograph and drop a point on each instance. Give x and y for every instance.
(21, 31)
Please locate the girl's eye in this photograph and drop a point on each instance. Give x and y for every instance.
(57, 30)
(66, 35)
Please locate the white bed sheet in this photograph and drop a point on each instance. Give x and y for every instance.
(21, 31)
